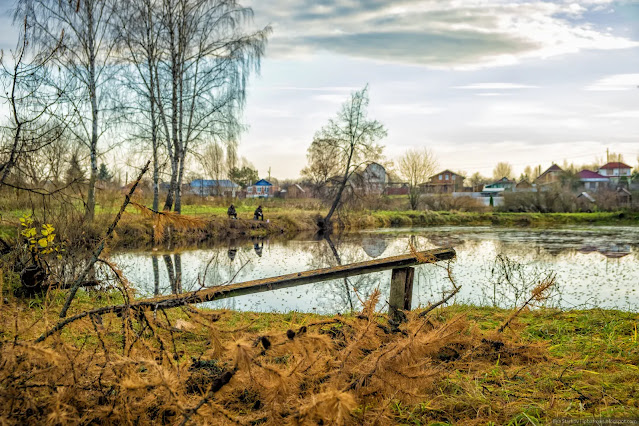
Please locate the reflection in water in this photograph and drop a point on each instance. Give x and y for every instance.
(338, 260)
(596, 266)
(174, 271)
(156, 275)
(258, 248)
(374, 246)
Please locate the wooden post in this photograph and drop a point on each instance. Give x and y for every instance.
(401, 291)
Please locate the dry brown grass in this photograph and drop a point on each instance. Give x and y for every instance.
(150, 367)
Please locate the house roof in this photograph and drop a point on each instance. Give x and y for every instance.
(206, 183)
(615, 165)
(553, 168)
(446, 171)
(505, 179)
(297, 186)
(262, 182)
(586, 196)
(588, 174)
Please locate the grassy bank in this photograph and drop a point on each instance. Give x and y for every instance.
(135, 231)
(450, 367)
(381, 219)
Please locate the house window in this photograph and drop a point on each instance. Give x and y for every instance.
(440, 177)
(259, 189)
(446, 177)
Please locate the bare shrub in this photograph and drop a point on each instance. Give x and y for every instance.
(448, 202)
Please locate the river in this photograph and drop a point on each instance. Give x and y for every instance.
(495, 266)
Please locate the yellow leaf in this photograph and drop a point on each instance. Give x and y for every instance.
(43, 242)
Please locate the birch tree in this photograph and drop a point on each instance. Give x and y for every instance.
(208, 55)
(138, 35)
(85, 66)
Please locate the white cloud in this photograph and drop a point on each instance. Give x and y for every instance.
(496, 86)
(616, 82)
(409, 109)
(621, 114)
(318, 89)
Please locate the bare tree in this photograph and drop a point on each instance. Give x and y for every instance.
(31, 126)
(502, 170)
(321, 167)
(85, 66)
(353, 138)
(477, 181)
(138, 37)
(416, 166)
(201, 76)
(214, 163)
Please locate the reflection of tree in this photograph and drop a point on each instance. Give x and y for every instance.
(156, 275)
(174, 271)
(347, 290)
(340, 294)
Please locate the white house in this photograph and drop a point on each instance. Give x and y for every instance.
(615, 171)
(592, 180)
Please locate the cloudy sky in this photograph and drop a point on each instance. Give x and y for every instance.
(477, 81)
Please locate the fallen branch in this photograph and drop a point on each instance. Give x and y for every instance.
(100, 247)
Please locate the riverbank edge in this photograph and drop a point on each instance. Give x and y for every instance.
(132, 233)
(135, 232)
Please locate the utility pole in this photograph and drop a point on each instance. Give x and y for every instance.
(607, 156)
(269, 173)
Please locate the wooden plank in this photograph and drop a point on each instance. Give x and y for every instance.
(295, 279)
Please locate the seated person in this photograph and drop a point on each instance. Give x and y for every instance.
(231, 212)
(258, 215)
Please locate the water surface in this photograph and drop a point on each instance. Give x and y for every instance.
(594, 266)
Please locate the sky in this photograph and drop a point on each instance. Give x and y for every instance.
(476, 81)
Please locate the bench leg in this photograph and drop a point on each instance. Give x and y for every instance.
(401, 291)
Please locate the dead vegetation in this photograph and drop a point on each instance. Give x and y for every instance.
(192, 366)
(149, 367)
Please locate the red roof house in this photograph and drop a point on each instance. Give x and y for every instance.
(615, 170)
(593, 180)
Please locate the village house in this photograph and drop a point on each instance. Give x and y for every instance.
(505, 183)
(524, 186)
(593, 181)
(207, 187)
(445, 182)
(615, 171)
(372, 181)
(260, 189)
(549, 177)
(397, 188)
(294, 191)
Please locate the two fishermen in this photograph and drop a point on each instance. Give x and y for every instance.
(257, 215)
